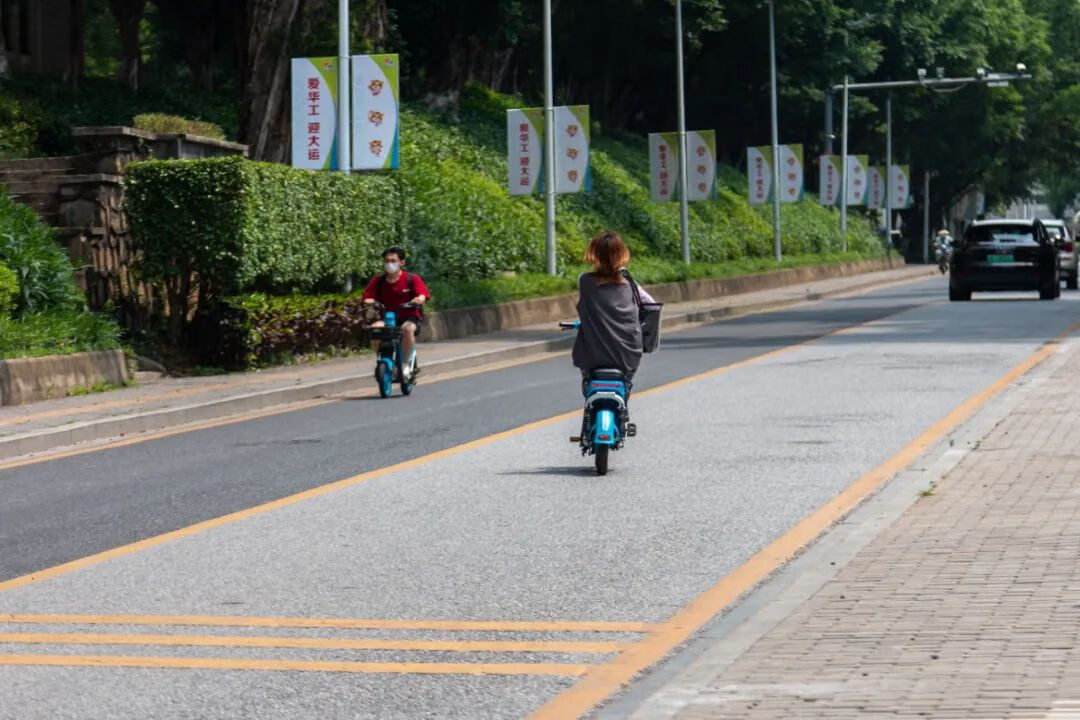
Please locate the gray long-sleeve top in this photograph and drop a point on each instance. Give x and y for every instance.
(610, 334)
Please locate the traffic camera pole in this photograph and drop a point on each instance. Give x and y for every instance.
(684, 200)
(549, 145)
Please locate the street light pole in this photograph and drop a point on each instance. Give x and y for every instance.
(549, 146)
(828, 122)
(344, 130)
(684, 200)
(926, 218)
(888, 170)
(777, 248)
(844, 169)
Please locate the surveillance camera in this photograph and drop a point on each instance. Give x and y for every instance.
(921, 72)
(1021, 67)
(981, 72)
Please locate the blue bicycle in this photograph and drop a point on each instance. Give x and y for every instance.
(390, 361)
(605, 423)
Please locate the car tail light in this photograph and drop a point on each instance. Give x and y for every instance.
(1069, 247)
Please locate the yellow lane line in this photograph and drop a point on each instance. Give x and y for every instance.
(335, 623)
(122, 550)
(460, 646)
(403, 668)
(601, 681)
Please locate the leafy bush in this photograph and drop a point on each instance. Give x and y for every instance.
(9, 290)
(235, 226)
(19, 127)
(44, 272)
(59, 332)
(162, 123)
(252, 330)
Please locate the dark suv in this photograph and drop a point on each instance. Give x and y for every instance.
(1005, 255)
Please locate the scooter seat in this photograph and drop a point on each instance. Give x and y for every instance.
(607, 374)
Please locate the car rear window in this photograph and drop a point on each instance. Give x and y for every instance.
(1005, 235)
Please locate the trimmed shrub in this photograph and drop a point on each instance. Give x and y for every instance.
(43, 270)
(229, 226)
(9, 290)
(249, 331)
(162, 123)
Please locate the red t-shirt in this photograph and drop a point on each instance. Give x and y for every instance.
(394, 295)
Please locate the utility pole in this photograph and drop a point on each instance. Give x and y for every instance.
(828, 122)
(844, 169)
(888, 170)
(344, 128)
(549, 145)
(926, 218)
(684, 182)
(777, 248)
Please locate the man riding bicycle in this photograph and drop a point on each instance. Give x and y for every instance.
(393, 289)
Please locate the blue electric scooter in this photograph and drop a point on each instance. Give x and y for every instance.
(604, 425)
(389, 364)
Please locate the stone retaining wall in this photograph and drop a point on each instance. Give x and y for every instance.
(24, 380)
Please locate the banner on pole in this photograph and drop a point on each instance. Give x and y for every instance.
(314, 113)
(858, 181)
(875, 198)
(700, 165)
(525, 133)
(572, 135)
(759, 170)
(901, 187)
(375, 116)
(829, 188)
(525, 150)
(792, 175)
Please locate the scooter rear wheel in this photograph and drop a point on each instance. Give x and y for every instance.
(602, 459)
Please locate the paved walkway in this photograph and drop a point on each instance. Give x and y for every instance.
(967, 607)
(174, 401)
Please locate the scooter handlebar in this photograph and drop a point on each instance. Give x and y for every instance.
(570, 325)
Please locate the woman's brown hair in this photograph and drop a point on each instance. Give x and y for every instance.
(608, 255)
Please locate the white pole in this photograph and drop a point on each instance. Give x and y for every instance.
(777, 249)
(888, 169)
(844, 170)
(926, 218)
(549, 145)
(828, 122)
(344, 129)
(684, 183)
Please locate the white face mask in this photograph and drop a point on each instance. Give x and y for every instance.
(392, 267)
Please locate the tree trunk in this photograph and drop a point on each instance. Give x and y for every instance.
(265, 109)
(376, 23)
(5, 71)
(76, 42)
(128, 15)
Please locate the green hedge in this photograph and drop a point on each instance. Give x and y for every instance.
(254, 330)
(163, 123)
(43, 270)
(232, 226)
(9, 290)
(58, 332)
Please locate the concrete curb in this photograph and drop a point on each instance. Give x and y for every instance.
(156, 420)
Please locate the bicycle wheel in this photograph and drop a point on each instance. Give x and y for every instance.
(602, 459)
(385, 378)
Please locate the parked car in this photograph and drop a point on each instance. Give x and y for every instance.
(1005, 255)
(1069, 254)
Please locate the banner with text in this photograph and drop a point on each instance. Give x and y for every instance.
(901, 187)
(525, 150)
(792, 175)
(314, 113)
(700, 168)
(875, 197)
(375, 117)
(525, 132)
(829, 187)
(858, 180)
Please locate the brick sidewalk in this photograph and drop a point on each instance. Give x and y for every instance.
(967, 607)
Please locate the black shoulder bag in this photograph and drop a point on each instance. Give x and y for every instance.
(649, 315)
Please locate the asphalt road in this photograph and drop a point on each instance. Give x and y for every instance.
(513, 528)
